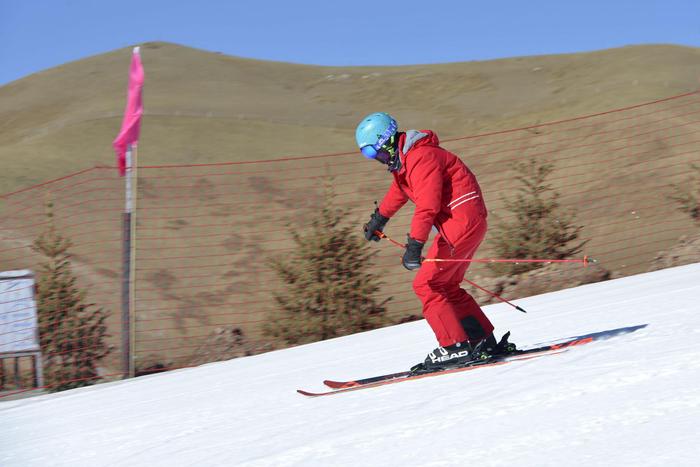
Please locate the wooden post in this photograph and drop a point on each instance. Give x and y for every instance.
(18, 380)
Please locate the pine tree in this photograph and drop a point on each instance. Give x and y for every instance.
(72, 332)
(540, 229)
(329, 291)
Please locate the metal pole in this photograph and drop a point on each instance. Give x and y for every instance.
(132, 263)
(126, 272)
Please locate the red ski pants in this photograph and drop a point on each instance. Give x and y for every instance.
(445, 303)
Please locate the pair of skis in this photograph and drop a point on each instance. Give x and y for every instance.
(338, 387)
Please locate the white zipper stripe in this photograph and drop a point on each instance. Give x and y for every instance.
(464, 201)
(457, 199)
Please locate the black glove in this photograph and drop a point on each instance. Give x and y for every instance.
(376, 222)
(412, 257)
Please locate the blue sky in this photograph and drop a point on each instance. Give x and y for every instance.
(39, 34)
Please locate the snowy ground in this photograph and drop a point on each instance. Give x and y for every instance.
(631, 400)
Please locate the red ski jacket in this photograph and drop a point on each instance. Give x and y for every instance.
(444, 190)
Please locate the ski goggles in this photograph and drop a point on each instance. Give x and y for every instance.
(370, 152)
(374, 151)
(380, 155)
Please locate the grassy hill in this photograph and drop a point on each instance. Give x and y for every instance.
(206, 107)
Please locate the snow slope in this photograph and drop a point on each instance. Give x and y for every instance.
(631, 400)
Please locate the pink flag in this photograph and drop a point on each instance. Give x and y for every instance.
(129, 134)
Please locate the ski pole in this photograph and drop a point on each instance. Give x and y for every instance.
(493, 294)
(517, 307)
(383, 235)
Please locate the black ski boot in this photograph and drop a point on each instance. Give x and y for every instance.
(451, 356)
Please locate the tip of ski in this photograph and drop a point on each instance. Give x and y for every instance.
(360, 382)
(310, 394)
(340, 384)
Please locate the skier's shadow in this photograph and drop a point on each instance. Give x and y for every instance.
(601, 335)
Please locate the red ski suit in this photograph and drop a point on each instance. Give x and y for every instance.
(447, 196)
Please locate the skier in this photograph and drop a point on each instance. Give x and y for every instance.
(446, 196)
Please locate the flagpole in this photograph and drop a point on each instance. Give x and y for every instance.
(132, 262)
(127, 268)
(125, 147)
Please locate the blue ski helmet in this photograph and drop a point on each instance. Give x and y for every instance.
(373, 132)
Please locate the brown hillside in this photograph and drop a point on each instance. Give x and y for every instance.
(205, 107)
(204, 233)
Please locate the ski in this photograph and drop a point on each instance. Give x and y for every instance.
(412, 377)
(526, 354)
(477, 363)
